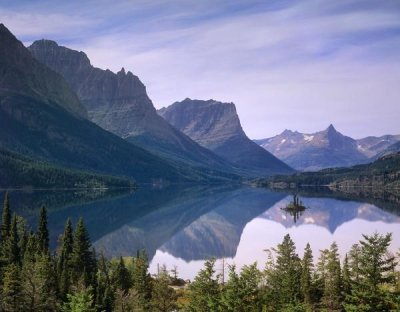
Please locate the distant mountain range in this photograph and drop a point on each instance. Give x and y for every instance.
(326, 149)
(216, 126)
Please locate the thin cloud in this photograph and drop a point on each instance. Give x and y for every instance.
(286, 64)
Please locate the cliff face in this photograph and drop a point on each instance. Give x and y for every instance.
(21, 74)
(41, 117)
(119, 103)
(116, 102)
(216, 126)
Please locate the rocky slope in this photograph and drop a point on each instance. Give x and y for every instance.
(23, 75)
(119, 103)
(216, 126)
(315, 151)
(373, 146)
(41, 117)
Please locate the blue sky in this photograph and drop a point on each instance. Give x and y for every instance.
(297, 65)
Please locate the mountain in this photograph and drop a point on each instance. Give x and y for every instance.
(311, 152)
(18, 171)
(119, 103)
(41, 117)
(329, 213)
(389, 150)
(22, 75)
(374, 146)
(216, 126)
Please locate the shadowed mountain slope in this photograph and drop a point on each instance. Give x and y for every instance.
(119, 103)
(42, 118)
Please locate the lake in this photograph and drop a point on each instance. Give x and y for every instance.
(183, 226)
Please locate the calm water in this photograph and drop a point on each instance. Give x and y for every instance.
(182, 227)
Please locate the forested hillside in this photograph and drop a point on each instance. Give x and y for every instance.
(19, 171)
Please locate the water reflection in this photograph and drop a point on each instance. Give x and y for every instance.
(295, 208)
(184, 226)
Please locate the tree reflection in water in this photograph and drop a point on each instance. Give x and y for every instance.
(295, 208)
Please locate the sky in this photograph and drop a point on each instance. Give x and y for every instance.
(298, 65)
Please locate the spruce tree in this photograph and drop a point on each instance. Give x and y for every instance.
(43, 232)
(332, 294)
(141, 280)
(6, 219)
(346, 277)
(11, 289)
(39, 287)
(284, 276)
(376, 269)
(163, 298)
(249, 294)
(83, 258)
(307, 272)
(105, 289)
(64, 263)
(123, 279)
(11, 245)
(230, 297)
(204, 292)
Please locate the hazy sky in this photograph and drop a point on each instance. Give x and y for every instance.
(299, 65)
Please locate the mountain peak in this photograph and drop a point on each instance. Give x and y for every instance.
(122, 71)
(331, 128)
(5, 30)
(287, 132)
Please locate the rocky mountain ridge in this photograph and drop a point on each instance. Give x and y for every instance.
(216, 126)
(325, 149)
(118, 102)
(41, 117)
(22, 74)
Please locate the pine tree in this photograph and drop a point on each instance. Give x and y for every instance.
(163, 298)
(332, 293)
(11, 290)
(320, 275)
(284, 276)
(6, 219)
(346, 277)
(123, 279)
(376, 269)
(105, 292)
(141, 280)
(249, 282)
(11, 250)
(39, 284)
(64, 265)
(43, 232)
(204, 294)
(83, 258)
(80, 301)
(307, 272)
(354, 263)
(230, 297)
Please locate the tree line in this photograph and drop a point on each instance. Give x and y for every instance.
(73, 277)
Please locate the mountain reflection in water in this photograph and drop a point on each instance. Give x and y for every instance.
(184, 226)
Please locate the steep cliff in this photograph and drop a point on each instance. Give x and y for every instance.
(216, 126)
(119, 103)
(41, 117)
